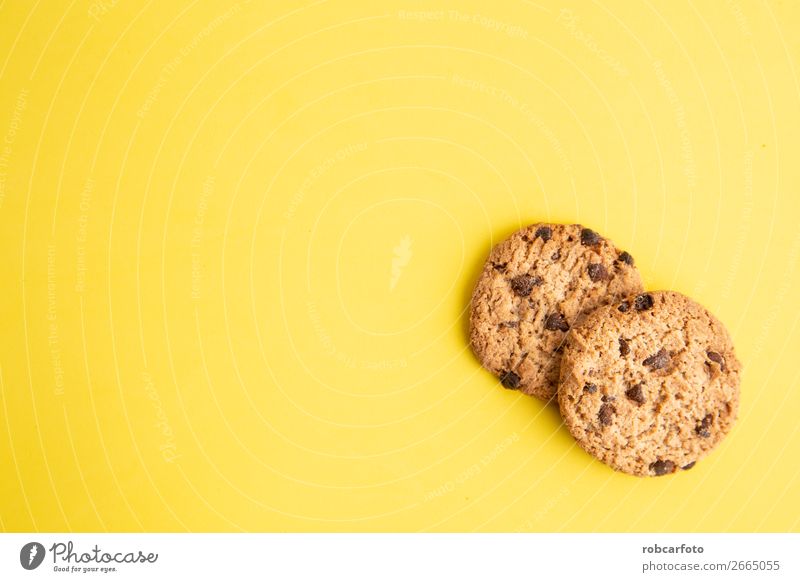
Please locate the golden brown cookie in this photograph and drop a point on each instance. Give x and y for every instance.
(536, 284)
(650, 384)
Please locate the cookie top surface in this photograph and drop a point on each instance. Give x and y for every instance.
(536, 284)
(650, 384)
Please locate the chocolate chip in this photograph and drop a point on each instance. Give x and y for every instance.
(626, 258)
(590, 388)
(636, 394)
(702, 427)
(590, 238)
(607, 398)
(658, 360)
(524, 284)
(544, 232)
(556, 321)
(715, 357)
(556, 255)
(624, 348)
(606, 414)
(689, 466)
(500, 267)
(597, 272)
(662, 467)
(509, 380)
(643, 302)
(624, 306)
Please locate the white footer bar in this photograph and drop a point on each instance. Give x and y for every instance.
(401, 557)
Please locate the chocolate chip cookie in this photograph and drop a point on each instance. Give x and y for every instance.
(535, 285)
(649, 384)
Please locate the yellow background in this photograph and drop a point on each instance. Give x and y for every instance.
(239, 239)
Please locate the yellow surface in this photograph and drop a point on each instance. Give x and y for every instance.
(239, 241)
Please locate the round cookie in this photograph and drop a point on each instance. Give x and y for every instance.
(536, 284)
(650, 384)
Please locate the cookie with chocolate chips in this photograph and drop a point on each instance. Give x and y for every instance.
(535, 285)
(666, 378)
